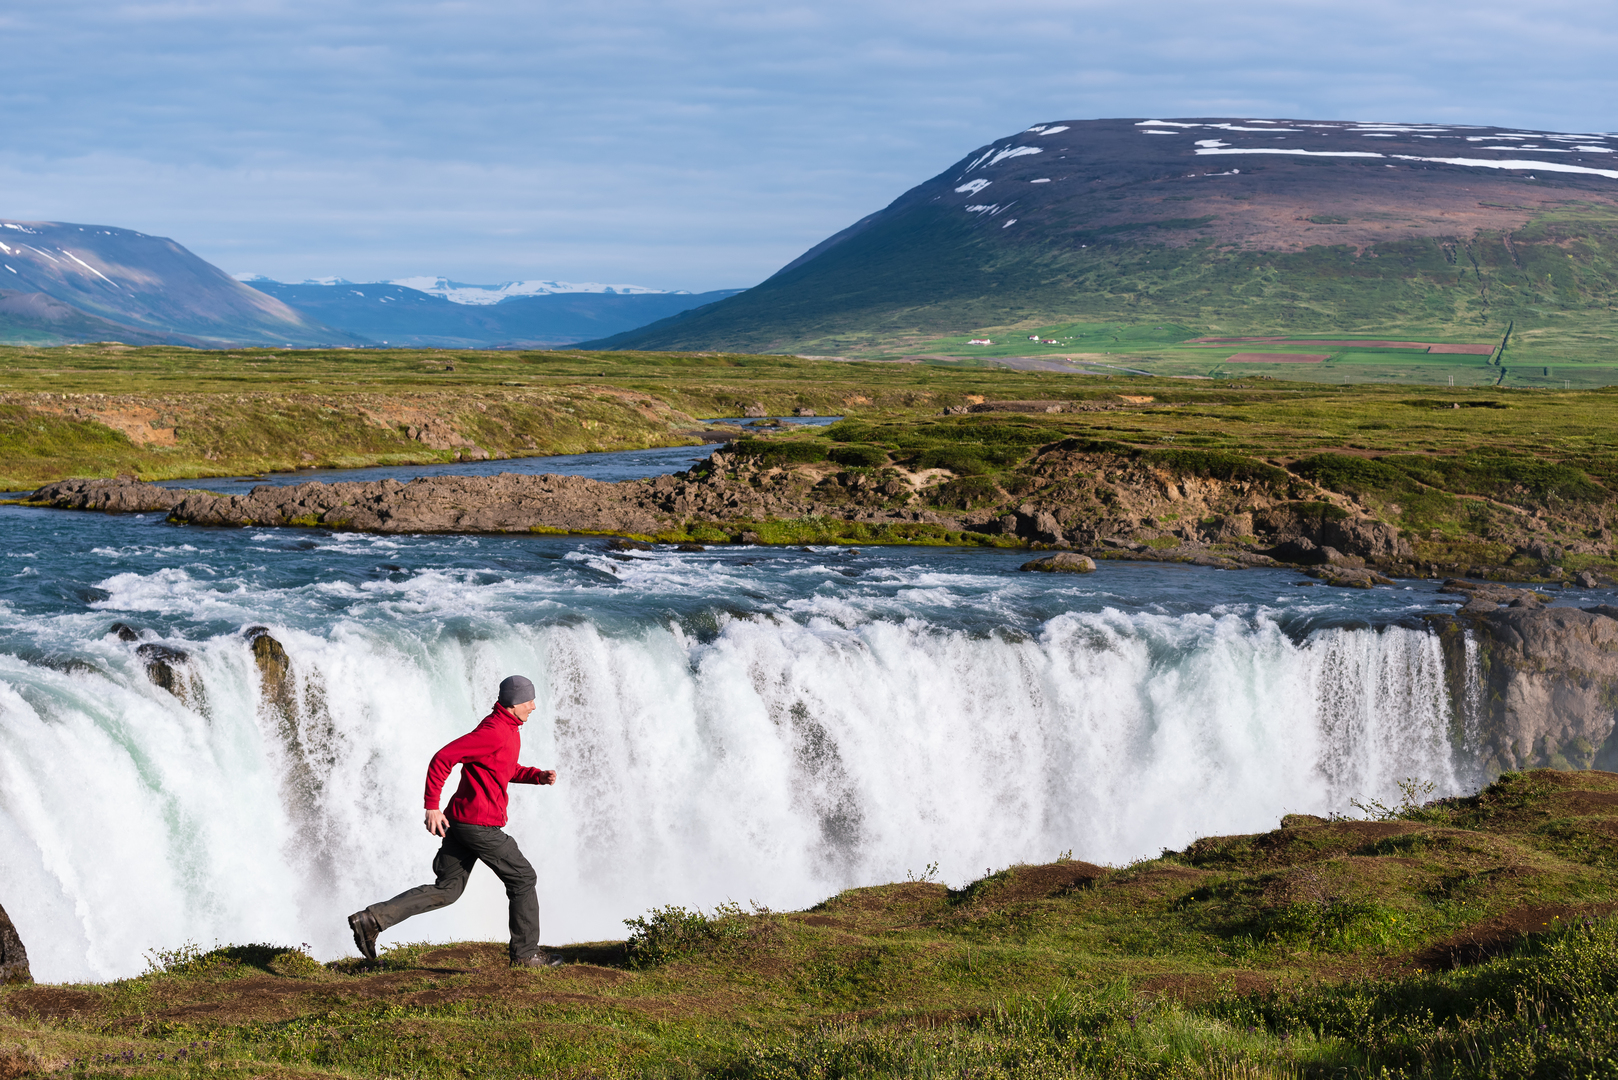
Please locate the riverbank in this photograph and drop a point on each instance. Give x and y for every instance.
(1004, 475)
(1505, 484)
(1466, 936)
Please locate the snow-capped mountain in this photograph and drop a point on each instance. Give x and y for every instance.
(1347, 224)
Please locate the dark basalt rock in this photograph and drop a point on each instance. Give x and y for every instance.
(124, 495)
(13, 957)
(274, 666)
(1301, 552)
(161, 664)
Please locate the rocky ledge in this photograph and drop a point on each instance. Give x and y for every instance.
(1534, 685)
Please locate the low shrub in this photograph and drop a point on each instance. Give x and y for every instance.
(1550, 1009)
(781, 452)
(669, 933)
(1496, 475)
(1215, 465)
(858, 455)
(967, 493)
(958, 460)
(1351, 475)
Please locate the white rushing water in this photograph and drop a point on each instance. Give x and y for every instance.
(775, 756)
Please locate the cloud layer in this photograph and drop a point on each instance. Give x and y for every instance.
(678, 144)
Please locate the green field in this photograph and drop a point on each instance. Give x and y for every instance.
(1465, 938)
(206, 413)
(1541, 358)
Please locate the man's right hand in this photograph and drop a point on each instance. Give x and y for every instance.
(437, 823)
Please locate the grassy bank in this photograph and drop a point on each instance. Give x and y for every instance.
(1466, 938)
(166, 412)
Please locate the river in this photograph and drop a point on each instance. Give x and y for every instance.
(748, 724)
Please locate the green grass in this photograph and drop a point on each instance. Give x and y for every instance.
(1464, 938)
(1549, 357)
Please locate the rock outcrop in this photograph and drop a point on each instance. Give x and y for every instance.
(164, 666)
(275, 671)
(124, 495)
(504, 503)
(13, 957)
(1544, 687)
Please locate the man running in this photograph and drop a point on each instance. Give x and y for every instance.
(472, 830)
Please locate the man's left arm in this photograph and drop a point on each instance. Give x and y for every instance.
(527, 774)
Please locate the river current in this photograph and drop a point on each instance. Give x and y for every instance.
(749, 724)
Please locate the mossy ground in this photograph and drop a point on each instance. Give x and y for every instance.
(1470, 937)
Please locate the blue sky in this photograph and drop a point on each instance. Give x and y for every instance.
(680, 144)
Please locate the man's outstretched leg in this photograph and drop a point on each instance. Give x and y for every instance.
(501, 854)
(451, 866)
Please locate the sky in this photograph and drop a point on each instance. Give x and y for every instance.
(687, 144)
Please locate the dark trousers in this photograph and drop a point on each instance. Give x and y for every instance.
(463, 847)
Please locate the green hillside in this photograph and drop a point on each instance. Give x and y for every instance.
(1285, 246)
(902, 283)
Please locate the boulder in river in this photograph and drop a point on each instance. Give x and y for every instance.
(1347, 577)
(13, 957)
(274, 668)
(162, 664)
(1063, 562)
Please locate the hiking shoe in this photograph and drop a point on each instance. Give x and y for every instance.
(365, 928)
(539, 960)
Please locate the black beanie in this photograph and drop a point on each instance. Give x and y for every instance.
(515, 690)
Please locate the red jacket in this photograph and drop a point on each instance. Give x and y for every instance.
(488, 758)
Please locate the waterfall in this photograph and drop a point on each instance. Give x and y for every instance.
(775, 758)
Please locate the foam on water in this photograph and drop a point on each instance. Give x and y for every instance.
(737, 724)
